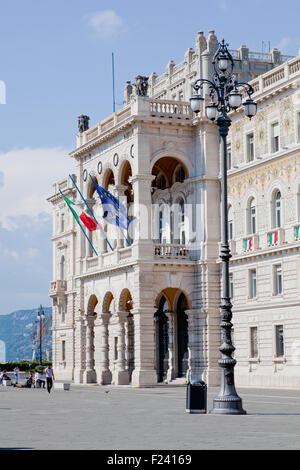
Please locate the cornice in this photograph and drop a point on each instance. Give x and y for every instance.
(267, 253)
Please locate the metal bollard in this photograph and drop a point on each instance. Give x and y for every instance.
(196, 397)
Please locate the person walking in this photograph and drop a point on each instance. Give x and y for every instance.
(49, 377)
(16, 374)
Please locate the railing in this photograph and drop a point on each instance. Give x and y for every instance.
(260, 56)
(170, 251)
(57, 287)
(276, 76)
(166, 108)
(251, 243)
(275, 237)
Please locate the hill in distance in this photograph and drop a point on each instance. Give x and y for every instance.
(16, 330)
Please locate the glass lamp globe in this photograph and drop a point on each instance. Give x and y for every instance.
(196, 103)
(234, 99)
(250, 108)
(211, 111)
(223, 63)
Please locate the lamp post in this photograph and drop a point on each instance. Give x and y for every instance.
(225, 94)
(40, 318)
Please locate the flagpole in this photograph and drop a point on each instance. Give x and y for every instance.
(84, 233)
(101, 230)
(116, 224)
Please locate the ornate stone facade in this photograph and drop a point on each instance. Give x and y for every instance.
(149, 312)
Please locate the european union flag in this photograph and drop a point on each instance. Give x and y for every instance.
(114, 212)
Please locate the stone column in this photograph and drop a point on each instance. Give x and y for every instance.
(129, 328)
(89, 375)
(79, 335)
(102, 349)
(172, 347)
(120, 374)
(144, 344)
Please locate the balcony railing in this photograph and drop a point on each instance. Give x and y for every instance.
(275, 237)
(57, 287)
(170, 251)
(250, 243)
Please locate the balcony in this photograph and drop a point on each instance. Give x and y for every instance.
(251, 243)
(275, 237)
(57, 288)
(170, 251)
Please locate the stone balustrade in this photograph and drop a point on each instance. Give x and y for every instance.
(57, 287)
(170, 251)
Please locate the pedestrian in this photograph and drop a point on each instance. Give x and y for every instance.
(38, 381)
(16, 374)
(49, 377)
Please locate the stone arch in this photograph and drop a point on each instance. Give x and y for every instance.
(125, 173)
(166, 166)
(108, 177)
(90, 192)
(93, 301)
(125, 300)
(107, 302)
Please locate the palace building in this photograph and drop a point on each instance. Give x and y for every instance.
(148, 311)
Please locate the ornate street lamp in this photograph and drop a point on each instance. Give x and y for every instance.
(40, 319)
(225, 93)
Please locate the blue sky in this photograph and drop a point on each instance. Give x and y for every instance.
(55, 60)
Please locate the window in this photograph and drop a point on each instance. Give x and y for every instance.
(62, 268)
(180, 97)
(63, 352)
(229, 160)
(279, 340)
(163, 226)
(277, 209)
(250, 147)
(161, 182)
(62, 223)
(231, 285)
(181, 222)
(275, 137)
(253, 342)
(252, 283)
(252, 216)
(277, 279)
(230, 223)
(179, 175)
(298, 127)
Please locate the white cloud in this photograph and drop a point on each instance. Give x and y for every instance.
(105, 24)
(11, 254)
(28, 176)
(282, 45)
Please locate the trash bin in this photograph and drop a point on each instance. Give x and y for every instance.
(196, 397)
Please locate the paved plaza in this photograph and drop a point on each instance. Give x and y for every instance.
(95, 417)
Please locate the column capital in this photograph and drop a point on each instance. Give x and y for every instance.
(122, 315)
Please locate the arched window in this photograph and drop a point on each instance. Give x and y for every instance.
(181, 222)
(179, 175)
(62, 268)
(277, 216)
(230, 223)
(252, 216)
(163, 226)
(161, 181)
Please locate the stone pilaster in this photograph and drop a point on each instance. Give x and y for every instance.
(102, 349)
(144, 344)
(196, 344)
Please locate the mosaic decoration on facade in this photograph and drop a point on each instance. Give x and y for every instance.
(287, 132)
(261, 140)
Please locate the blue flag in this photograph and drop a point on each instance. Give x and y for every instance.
(114, 212)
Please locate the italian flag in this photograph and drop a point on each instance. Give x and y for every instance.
(297, 233)
(80, 215)
(273, 238)
(248, 244)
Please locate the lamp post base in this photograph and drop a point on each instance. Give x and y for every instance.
(228, 406)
